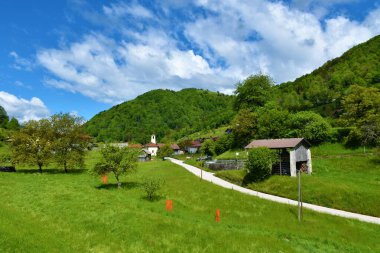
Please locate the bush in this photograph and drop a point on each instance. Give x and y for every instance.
(164, 151)
(259, 165)
(338, 134)
(152, 186)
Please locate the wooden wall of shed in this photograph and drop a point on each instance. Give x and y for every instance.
(301, 154)
(285, 164)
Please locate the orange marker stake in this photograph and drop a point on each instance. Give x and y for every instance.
(169, 205)
(217, 215)
(104, 179)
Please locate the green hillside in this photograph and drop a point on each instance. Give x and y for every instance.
(323, 89)
(163, 112)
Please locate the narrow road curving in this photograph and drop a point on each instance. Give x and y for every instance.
(207, 176)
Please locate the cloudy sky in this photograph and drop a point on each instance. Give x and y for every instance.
(83, 56)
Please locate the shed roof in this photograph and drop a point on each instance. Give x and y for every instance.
(277, 143)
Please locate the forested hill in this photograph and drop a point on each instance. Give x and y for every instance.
(323, 89)
(163, 112)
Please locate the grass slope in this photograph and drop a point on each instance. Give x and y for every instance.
(56, 212)
(342, 178)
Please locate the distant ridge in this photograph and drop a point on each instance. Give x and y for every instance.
(323, 89)
(164, 113)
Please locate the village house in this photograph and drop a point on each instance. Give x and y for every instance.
(153, 146)
(194, 147)
(294, 154)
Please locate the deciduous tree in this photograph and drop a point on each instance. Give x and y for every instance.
(32, 144)
(69, 141)
(116, 160)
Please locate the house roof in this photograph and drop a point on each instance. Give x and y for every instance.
(151, 145)
(175, 146)
(154, 145)
(137, 145)
(196, 144)
(277, 143)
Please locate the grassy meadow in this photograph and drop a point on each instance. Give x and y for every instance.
(74, 212)
(342, 178)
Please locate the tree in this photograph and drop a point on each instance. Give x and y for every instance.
(208, 148)
(272, 122)
(259, 164)
(3, 117)
(311, 126)
(165, 151)
(118, 161)
(184, 144)
(244, 127)
(253, 92)
(69, 141)
(362, 110)
(224, 143)
(13, 124)
(32, 144)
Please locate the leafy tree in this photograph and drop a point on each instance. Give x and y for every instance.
(224, 143)
(69, 141)
(208, 147)
(3, 117)
(272, 122)
(259, 164)
(13, 124)
(118, 161)
(244, 127)
(165, 151)
(32, 144)
(311, 126)
(362, 110)
(253, 92)
(184, 144)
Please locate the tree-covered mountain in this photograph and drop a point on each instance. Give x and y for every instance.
(323, 89)
(164, 113)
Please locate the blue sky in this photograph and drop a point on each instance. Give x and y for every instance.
(83, 56)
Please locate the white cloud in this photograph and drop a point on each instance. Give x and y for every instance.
(237, 40)
(21, 63)
(119, 10)
(23, 109)
(109, 72)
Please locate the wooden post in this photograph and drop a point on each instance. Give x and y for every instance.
(299, 197)
(280, 164)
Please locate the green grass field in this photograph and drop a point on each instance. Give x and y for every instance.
(57, 212)
(342, 178)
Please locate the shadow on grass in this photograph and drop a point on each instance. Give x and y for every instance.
(50, 171)
(154, 198)
(124, 185)
(375, 161)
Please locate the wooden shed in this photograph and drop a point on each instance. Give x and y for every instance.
(294, 154)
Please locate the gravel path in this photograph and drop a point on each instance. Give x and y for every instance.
(207, 176)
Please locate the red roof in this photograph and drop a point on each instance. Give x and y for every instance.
(154, 145)
(277, 143)
(175, 147)
(196, 144)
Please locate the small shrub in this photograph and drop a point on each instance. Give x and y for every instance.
(152, 186)
(259, 165)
